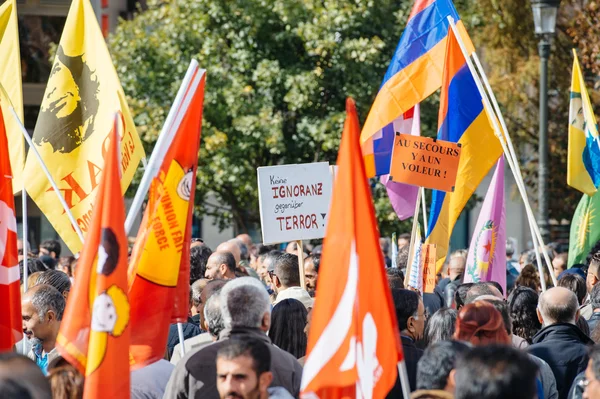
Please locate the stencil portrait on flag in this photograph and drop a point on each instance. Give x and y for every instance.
(73, 126)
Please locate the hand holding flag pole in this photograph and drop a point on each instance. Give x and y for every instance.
(510, 155)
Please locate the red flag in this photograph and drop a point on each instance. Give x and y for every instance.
(11, 328)
(353, 343)
(159, 270)
(94, 333)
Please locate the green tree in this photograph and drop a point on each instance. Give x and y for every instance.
(278, 75)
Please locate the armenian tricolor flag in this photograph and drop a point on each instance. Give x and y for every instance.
(462, 119)
(414, 73)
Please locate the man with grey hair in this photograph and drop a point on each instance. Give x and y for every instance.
(213, 317)
(560, 342)
(42, 309)
(246, 312)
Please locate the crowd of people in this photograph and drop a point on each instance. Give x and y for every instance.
(247, 331)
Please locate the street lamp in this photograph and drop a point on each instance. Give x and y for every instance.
(544, 18)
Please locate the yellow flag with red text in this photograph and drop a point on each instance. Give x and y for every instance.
(159, 269)
(72, 130)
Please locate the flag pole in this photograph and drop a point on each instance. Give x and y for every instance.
(47, 173)
(424, 209)
(500, 136)
(403, 374)
(182, 101)
(413, 234)
(181, 340)
(535, 233)
(300, 246)
(24, 234)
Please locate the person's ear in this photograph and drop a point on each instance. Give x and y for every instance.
(266, 322)
(276, 281)
(264, 381)
(451, 381)
(223, 269)
(410, 324)
(539, 316)
(50, 316)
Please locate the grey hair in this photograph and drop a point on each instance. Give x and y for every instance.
(563, 312)
(244, 302)
(244, 254)
(46, 298)
(441, 326)
(213, 315)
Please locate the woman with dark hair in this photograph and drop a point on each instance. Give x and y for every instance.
(288, 321)
(529, 277)
(522, 303)
(481, 324)
(440, 326)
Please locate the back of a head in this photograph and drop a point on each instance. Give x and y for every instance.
(286, 270)
(244, 302)
(529, 277)
(595, 297)
(522, 304)
(395, 278)
(480, 324)
(196, 289)
(402, 258)
(495, 372)
(198, 257)
(270, 259)
(57, 279)
(51, 246)
(244, 252)
(253, 348)
(479, 289)
(558, 305)
(48, 261)
(65, 380)
(502, 307)
(45, 297)
(406, 303)
(441, 326)
(288, 321)
(437, 362)
(575, 284)
(224, 257)
(460, 296)
(213, 315)
(21, 378)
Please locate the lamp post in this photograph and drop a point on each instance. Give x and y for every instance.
(544, 17)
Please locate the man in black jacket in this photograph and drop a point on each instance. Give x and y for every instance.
(410, 313)
(561, 343)
(246, 312)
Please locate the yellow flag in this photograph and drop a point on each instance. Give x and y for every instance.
(74, 124)
(583, 171)
(10, 77)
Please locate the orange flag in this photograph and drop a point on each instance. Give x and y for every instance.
(94, 333)
(11, 329)
(159, 270)
(353, 343)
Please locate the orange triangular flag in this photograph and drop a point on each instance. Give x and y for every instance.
(159, 270)
(353, 343)
(94, 333)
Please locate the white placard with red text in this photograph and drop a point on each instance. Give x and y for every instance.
(294, 201)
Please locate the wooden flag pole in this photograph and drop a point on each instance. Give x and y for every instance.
(163, 143)
(500, 136)
(424, 206)
(535, 234)
(413, 234)
(403, 374)
(47, 173)
(301, 263)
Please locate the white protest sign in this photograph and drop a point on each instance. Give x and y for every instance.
(294, 201)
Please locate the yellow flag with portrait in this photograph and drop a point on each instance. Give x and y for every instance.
(73, 128)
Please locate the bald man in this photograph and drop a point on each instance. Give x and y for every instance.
(247, 240)
(220, 265)
(232, 248)
(560, 342)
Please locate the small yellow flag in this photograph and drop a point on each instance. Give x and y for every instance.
(10, 78)
(73, 128)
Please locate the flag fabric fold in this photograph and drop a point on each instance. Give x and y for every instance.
(159, 271)
(353, 343)
(414, 73)
(94, 333)
(11, 327)
(486, 260)
(462, 119)
(585, 229)
(403, 197)
(74, 124)
(10, 78)
(415, 273)
(583, 159)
